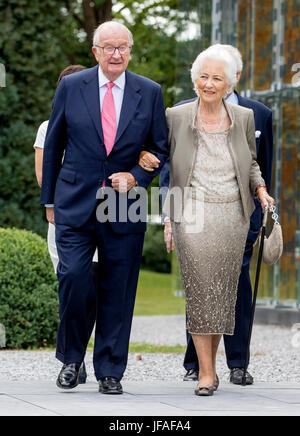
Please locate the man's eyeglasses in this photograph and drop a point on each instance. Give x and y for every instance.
(110, 50)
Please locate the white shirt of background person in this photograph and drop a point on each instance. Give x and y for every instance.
(40, 143)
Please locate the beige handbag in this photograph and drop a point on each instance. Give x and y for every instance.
(273, 245)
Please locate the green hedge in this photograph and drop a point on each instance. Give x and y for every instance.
(28, 290)
(155, 256)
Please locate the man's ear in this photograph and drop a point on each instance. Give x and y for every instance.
(95, 51)
(238, 76)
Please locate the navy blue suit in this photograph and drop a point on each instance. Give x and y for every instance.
(75, 131)
(236, 345)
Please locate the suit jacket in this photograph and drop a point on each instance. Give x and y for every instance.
(75, 130)
(242, 147)
(264, 148)
(264, 142)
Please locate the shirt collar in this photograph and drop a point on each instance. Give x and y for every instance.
(232, 98)
(103, 80)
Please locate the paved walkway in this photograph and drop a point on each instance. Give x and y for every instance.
(153, 384)
(149, 399)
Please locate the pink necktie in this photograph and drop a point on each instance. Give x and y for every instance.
(109, 119)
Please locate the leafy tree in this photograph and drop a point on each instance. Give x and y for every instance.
(164, 46)
(29, 49)
(92, 14)
(38, 39)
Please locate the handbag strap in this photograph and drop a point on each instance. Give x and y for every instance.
(274, 215)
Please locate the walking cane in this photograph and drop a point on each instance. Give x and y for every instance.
(261, 247)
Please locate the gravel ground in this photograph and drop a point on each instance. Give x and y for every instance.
(274, 358)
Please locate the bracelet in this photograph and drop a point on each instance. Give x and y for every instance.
(261, 186)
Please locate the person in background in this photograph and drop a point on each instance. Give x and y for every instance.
(236, 345)
(212, 151)
(39, 152)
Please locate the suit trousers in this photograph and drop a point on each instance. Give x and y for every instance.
(119, 264)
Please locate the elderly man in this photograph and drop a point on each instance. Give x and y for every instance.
(102, 119)
(236, 345)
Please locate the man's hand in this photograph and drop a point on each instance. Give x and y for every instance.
(122, 182)
(50, 215)
(148, 161)
(168, 237)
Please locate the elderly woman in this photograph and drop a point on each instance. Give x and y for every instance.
(212, 151)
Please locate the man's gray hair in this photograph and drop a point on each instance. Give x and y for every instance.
(235, 53)
(219, 53)
(106, 25)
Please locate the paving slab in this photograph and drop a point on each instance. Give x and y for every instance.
(35, 398)
(11, 406)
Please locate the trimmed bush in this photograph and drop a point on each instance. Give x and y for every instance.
(155, 256)
(28, 290)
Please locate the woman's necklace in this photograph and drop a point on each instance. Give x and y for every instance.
(211, 123)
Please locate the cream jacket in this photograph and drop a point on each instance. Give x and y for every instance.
(242, 147)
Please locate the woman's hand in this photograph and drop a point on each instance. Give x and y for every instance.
(168, 237)
(148, 161)
(264, 198)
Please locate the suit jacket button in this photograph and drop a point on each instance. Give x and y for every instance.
(105, 162)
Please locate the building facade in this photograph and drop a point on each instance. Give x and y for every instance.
(267, 32)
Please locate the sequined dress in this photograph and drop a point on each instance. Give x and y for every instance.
(210, 260)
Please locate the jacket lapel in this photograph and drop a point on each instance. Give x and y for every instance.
(131, 99)
(233, 139)
(242, 101)
(191, 144)
(91, 96)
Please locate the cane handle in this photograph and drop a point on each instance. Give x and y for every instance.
(264, 223)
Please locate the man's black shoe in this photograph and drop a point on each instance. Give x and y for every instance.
(110, 385)
(236, 376)
(82, 374)
(191, 375)
(68, 377)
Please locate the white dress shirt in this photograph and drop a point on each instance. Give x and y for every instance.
(117, 91)
(233, 98)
